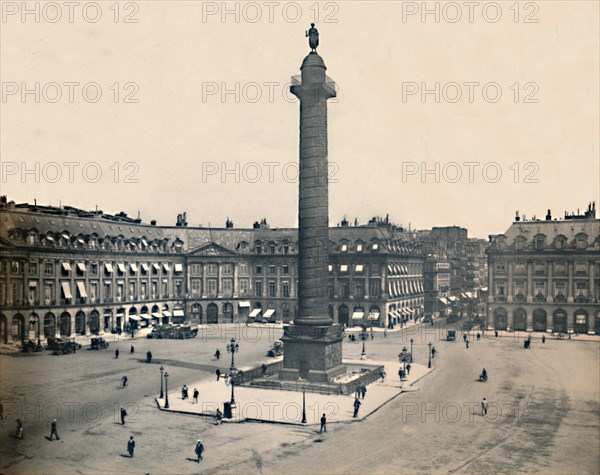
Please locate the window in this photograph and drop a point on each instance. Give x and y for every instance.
(227, 287)
(48, 292)
(375, 247)
(93, 291)
(48, 268)
(500, 267)
(132, 294)
(196, 269)
(374, 269)
(212, 287)
(243, 269)
(500, 290)
(285, 269)
(155, 268)
(32, 267)
(344, 248)
(359, 247)
(582, 289)
(107, 292)
(244, 286)
(344, 268)
(286, 250)
(119, 292)
(258, 288)
(581, 241)
(178, 288)
(359, 291)
(539, 268)
(94, 269)
(330, 267)
(272, 270)
(344, 290)
(540, 242)
(581, 268)
(519, 268)
(143, 290)
(196, 285)
(560, 268)
(227, 269)
(359, 268)
(560, 242)
(374, 288)
(272, 248)
(212, 269)
(272, 288)
(258, 270)
(285, 289)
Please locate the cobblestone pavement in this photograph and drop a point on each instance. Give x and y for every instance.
(544, 411)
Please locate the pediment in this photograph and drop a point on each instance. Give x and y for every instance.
(212, 249)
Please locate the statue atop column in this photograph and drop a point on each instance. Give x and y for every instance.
(313, 38)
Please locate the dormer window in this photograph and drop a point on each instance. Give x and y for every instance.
(344, 248)
(359, 247)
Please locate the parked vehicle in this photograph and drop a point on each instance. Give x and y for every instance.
(161, 331)
(184, 332)
(31, 346)
(276, 349)
(168, 331)
(58, 346)
(451, 335)
(98, 344)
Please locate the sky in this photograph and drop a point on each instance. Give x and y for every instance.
(162, 107)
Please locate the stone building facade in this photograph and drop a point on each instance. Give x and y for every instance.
(545, 275)
(66, 272)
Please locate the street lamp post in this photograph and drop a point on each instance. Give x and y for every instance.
(363, 335)
(404, 357)
(232, 348)
(166, 390)
(303, 404)
(411, 350)
(429, 366)
(161, 382)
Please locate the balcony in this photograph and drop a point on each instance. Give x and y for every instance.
(520, 298)
(500, 298)
(560, 298)
(539, 298)
(582, 299)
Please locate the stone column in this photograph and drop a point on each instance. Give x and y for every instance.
(491, 289)
(510, 290)
(570, 319)
(550, 289)
(529, 312)
(570, 284)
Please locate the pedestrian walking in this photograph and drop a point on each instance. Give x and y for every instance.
(218, 417)
(363, 390)
(184, 392)
(466, 343)
(358, 391)
(196, 394)
(117, 354)
(149, 357)
(400, 374)
(356, 407)
(264, 369)
(465, 337)
(484, 407)
(543, 338)
(53, 431)
(217, 354)
(382, 374)
(132, 349)
(19, 433)
(385, 333)
(218, 373)
(131, 446)
(123, 414)
(408, 368)
(124, 381)
(323, 424)
(478, 336)
(496, 333)
(372, 335)
(199, 450)
(433, 351)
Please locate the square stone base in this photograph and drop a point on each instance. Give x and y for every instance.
(312, 353)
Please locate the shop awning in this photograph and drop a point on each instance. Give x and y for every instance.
(269, 313)
(121, 267)
(178, 313)
(255, 312)
(145, 267)
(166, 313)
(120, 313)
(463, 295)
(452, 298)
(358, 315)
(66, 290)
(178, 268)
(81, 266)
(156, 315)
(32, 284)
(244, 304)
(156, 266)
(397, 269)
(135, 317)
(166, 267)
(443, 300)
(81, 288)
(108, 267)
(390, 269)
(66, 266)
(145, 316)
(133, 267)
(373, 316)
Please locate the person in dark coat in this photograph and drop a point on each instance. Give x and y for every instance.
(323, 424)
(117, 354)
(218, 373)
(363, 390)
(131, 446)
(149, 357)
(199, 450)
(19, 433)
(196, 394)
(408, 368)
(132, 349)
(53, 431)
(123, 414)
(356, 407)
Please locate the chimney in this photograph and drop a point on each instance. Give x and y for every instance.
(549, 216)
(517, 217)
(256, 225)
(228, 223)
(153, 222)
